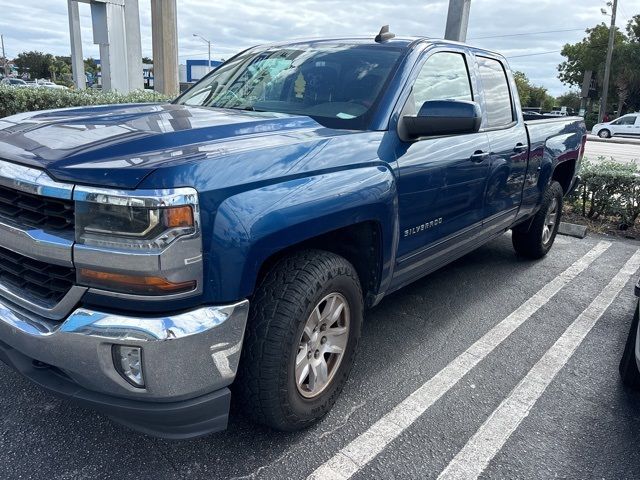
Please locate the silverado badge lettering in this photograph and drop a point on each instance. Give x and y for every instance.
(422, 227)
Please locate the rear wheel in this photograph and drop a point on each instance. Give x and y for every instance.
(303, 329)
(628, 365)
(604, 133)
(534, 239)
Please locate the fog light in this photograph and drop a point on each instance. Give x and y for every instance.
(128, 363)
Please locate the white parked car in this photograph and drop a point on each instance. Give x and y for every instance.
(48, 84)
(626, 125)
(14, 82)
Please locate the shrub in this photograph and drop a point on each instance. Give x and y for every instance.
(609, 190)
(590, 119)
(18, 100)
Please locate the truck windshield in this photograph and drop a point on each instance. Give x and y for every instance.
(337, 85)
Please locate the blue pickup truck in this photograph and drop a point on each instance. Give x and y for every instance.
(156, 258)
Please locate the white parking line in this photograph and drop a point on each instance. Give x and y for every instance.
(474, 457)
(369, 444)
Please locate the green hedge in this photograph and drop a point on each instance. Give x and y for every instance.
(17, 100)
(609, 190)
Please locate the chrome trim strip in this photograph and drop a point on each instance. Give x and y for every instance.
(54, 312)
(120, 328)
(147, 298)
(37, 244)
(137, 198)
(32, 180)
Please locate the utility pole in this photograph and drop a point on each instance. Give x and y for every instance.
(5, 62)
(457, 20)
(607, 65)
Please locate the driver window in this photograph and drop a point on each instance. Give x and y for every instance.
(444, 76)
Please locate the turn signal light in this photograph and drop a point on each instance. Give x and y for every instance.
(132, 283)
(178, 217)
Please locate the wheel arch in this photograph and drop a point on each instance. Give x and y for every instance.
(254, 229)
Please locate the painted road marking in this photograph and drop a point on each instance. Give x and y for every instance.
(369, 444)
(474, 457)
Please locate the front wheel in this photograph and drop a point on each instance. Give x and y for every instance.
(302, 333)
(604, 133)
(534, 239)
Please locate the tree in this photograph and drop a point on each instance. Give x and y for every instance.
(523, 86)
(569, 99)
(633, 29)
(588, 54)
(36, 64)
(626, 77)
(532, 95)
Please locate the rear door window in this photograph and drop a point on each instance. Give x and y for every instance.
(497, 96)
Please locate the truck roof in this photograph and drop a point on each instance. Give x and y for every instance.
(402, 42)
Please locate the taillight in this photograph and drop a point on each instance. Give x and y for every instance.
(582, 147)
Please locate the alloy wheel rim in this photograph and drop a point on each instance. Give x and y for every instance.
(322, 345)
(550, 221)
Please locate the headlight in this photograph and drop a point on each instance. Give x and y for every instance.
(137, 223)
(145, 243)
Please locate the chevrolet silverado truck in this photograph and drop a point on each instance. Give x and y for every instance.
(155, 258)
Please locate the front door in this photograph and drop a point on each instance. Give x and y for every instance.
(441, 179)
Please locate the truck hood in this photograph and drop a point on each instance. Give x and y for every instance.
(119, 145)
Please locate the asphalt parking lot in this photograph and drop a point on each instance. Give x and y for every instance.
(493, 366)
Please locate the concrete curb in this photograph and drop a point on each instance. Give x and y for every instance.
(572, 230)
(623, 140)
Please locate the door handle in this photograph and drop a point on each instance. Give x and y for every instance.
(519, 148)
(479, 156)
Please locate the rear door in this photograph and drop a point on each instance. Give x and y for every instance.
(509, 144)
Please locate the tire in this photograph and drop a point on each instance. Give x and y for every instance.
(628, 366)
(534, 239)
(279, 335)
(604, 133)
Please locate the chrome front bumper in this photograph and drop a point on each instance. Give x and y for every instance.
(184, 355)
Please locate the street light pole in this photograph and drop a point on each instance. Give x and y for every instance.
(607, 65)
(209, 45)
(5, 62)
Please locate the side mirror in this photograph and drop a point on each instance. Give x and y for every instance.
(443, 117)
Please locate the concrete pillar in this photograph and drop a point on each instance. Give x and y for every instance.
(457, 20)
(134, 44)
(164, 25)
(77, 60)
(109, 32)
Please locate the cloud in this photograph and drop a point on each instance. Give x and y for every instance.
(232, 26)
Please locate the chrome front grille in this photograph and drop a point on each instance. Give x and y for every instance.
(36, 211)
(40, 281)
(36, 242)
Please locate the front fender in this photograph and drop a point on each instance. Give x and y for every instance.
(252, 226)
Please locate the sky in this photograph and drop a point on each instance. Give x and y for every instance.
(530, 33)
